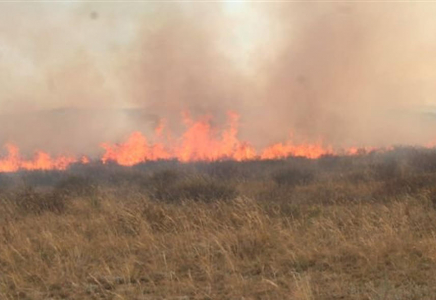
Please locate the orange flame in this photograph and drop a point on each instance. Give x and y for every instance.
(200, 142)
(281, 150)
(12, 162)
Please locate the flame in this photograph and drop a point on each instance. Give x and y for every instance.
(134, 151)
(200, 142)
(361, 150)
(13, 162)
(281, 150)
(431, 144)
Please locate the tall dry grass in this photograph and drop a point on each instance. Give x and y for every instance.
(361, 232)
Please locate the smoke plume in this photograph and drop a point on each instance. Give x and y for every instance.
(75, 74)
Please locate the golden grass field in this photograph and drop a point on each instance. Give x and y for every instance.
(334, 228)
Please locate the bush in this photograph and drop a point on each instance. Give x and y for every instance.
(224, 170)
(75, 186)
(294, 176)
(359, 176)
(387, 170)
(411, 184)
(28, 200)
(163, 178)
(160, 184)
(168, 186)
(424, 160)
(203, 189)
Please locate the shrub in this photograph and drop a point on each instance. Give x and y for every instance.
(359, 176)
(424, 160)
(163, 178)
(74, 186)
(387, 169)
(294, 176)
(28, 200)
(224, 170)
(168, 186)
(160, 184)
(410, 184)
(203, 189)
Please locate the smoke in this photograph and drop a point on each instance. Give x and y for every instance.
(75, 74)
(353, 73)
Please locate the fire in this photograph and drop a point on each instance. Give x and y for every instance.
(200, 142)
(13, 162)
(281, 150)
(134, 151)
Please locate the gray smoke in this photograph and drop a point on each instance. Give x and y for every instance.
(73, 75)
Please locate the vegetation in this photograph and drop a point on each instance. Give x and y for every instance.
(360, 227)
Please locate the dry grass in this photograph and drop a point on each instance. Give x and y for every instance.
(328, 238)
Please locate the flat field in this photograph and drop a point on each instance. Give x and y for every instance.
(360, 227)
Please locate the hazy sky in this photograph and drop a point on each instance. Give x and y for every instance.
(349, 73)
